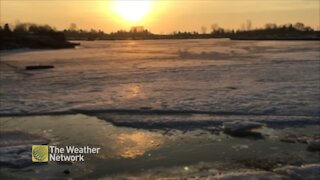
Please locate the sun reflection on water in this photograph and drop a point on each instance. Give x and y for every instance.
(115, 142)
(137, 143)
(130, 91)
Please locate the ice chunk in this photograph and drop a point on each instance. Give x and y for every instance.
(250, 175)
(240, 127)
(311, 171)
(15, 148)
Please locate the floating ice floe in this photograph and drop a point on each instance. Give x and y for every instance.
(314, 146)
(241, 127)
(15, 148)
(312, 141)
(259, 175)
(39, 67)
(311, 171)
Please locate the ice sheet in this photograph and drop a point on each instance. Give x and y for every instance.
(250, 77)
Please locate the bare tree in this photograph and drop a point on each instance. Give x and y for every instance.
(299, 26)
(270, 26)
(73, 27)
(203, 29)
(242, 27)
(248, 25)
(214, 27)
(6, 28)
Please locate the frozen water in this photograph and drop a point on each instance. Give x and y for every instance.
(246, 77)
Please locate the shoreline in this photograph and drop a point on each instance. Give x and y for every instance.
(16, 51)
(152, 119)
(233, 39)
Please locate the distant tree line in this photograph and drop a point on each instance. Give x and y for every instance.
(246, 31)
(23, 29)
(44, 36)
(137, 32)
(74, 34)
(29, 35)
(278, 32)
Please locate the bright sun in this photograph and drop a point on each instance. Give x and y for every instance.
(132, 10)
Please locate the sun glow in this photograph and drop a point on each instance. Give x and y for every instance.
(132, 10)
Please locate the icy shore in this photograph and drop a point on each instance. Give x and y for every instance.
(161, 153)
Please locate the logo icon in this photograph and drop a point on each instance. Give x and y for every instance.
(40, 153)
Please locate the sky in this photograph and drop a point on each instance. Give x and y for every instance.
(159, 16)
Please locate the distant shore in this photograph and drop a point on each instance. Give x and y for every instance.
(26, 35)
(276, 39)
(33, 37)
(233, 38)
(35, 42)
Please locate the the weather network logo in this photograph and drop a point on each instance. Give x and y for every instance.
(46, 153)
(40, 153)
